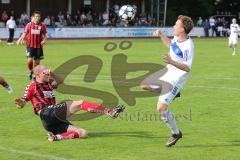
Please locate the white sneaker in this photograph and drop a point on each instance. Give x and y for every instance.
(9, 89)
(233, 53)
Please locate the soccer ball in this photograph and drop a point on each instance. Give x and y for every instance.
(127, 13)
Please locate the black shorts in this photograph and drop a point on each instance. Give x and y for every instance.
(36, 53)
(54, 118)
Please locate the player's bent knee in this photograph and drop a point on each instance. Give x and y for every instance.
(82, 133)
(145, 87)
(30, 60)
(161, 107)
(75, 104)
(79, 103)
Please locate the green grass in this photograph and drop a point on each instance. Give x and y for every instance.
(207, 112)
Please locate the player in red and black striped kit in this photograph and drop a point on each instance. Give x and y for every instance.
(54, 116)
(35, 35)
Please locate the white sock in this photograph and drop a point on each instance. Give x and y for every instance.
(170, 121)
(234, 50)
(59, 137)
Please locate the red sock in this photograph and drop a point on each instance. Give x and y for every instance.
(92, 107)
(30, 65)
(68, 135)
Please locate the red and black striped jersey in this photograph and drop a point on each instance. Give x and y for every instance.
(34, 34)
(40, 94)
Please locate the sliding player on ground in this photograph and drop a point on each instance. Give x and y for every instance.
(54, 116)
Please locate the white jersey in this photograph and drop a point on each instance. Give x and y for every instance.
(11, 24)
(234, 27)
(182, 52)
(212, 22)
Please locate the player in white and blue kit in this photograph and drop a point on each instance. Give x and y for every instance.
(233, 38)
(179, 61)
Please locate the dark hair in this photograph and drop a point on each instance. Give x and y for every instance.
(187, 23)
(36, 12)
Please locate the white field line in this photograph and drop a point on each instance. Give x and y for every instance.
(27, 153)
(214, 87)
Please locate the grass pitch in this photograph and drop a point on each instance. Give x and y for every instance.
(207, 113)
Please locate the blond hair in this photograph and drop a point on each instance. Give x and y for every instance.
(187, 23)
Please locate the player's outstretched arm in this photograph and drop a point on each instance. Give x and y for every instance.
(44, 39)
(27, 95)
(164, 38)
(20, 102)
(167, 59)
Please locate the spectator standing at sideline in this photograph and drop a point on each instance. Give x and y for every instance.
(212, 23)
(11, 27)
(200, 22)
(47, 21)
(206, 27)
